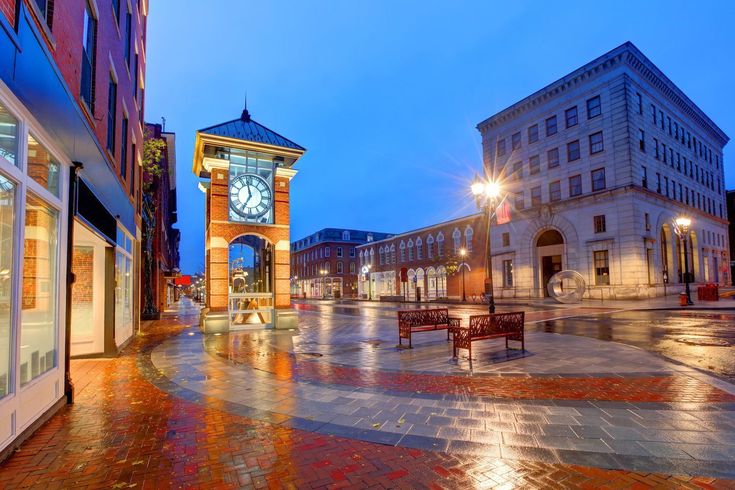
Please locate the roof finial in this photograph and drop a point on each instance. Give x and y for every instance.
(245, 114)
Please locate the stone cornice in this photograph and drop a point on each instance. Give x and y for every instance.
(630, 56)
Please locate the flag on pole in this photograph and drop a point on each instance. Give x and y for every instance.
(502, 215)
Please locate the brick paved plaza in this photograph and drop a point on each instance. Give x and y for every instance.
(335, 404)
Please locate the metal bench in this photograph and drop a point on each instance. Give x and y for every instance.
(410, 321)
(483, 327)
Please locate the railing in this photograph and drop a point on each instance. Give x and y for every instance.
(251, 309)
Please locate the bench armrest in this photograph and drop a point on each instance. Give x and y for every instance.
(454, 322)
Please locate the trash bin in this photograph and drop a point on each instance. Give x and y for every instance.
(682, 299)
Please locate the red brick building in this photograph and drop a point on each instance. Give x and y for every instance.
(433, 260)
(324, 264)
(71, 135)
(160, 244)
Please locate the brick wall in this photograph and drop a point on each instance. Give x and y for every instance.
(83, 268)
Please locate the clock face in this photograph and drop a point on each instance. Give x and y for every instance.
(250, 196)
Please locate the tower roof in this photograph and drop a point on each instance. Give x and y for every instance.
(245, 128)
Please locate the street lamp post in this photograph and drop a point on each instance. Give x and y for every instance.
(366, 272)
(463, 254)
(324, 283)
(682, 226)
(486, 196)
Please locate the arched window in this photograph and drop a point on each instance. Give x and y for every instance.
(430, 247)
(369, 237)
(393, 253)
(345, 235)
(419, 249)
(352, 267)
(339, 267)
(326, 267)
(403, 251)
(457, 239)
(468, 234)
(440, 244)
(372, 256)
(410, 250)
(380, 256)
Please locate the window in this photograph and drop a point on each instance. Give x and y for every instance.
(655, 148)
(536, 196)
(419, 249)
(520, 201)
(8, 136)
(533, 133)
(518, 170)
(340, 267)
(89, 61)
(440, 245)
(128, 36)
(640, 102)
(393, 254)
(40, 290)
(500, 148)
(135, 77)
(46, 9)
(339, 252)
(410, 251)
(555, 191)
(507, 273)
(668, 124)
(642, 140)
(7, 224)
(594, 108)
(42, 167)
(602, 268)
(116, 9)
(327, 251)
(111, 115)
(573, 151)
(345, 235)
(653, 111)
(506, 239)
(600, 225)
(575, 185)
(570, 116)
(352, 267)
(457, 240)
(469, 233)
(534, 164)
(596, 144)
(430, 247)
(124, 147)
(647, 220)
(644, 182)
(352, 252)
(133, 169)
(403, 252)
(515, 141)
(598, 179)
(552, 157)
(551, 127)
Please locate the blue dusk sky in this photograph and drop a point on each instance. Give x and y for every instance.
(385, 95)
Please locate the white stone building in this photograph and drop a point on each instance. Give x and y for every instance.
(595, 168)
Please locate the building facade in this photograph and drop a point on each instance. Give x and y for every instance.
(160, 243)
(71, 112)
(594, 169)
(245, 170)
(324, 264)
(440, 261)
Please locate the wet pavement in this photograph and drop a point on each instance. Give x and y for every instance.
(336, 405)
(698, 338)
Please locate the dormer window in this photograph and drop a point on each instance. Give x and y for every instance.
(345, 235)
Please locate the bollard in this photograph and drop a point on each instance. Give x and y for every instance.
(682, 299)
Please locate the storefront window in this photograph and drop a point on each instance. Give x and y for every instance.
(8, 136)
(7, 205)
(123, 288)
(42, 167)
(40, 290)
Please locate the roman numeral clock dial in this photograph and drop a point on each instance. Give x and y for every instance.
(250, 196)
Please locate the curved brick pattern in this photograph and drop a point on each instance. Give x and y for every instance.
(124, 433)
(675, 388)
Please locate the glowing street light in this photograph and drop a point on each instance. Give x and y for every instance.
(487, 194)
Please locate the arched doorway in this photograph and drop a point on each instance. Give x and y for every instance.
(441, 282)
(431, 288)
(411, 285)
(550, 251)
(420, 285)
(250, 291)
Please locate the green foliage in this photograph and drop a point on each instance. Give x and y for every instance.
(152, 153)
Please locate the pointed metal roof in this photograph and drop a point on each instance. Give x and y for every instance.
(245, 128)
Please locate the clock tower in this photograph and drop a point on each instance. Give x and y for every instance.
(245, 171)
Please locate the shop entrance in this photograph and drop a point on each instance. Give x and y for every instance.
(550, 249)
